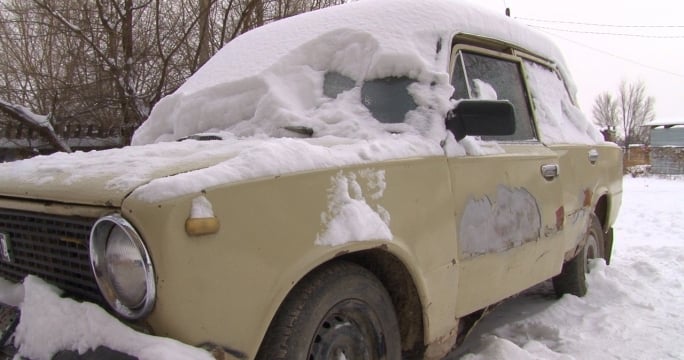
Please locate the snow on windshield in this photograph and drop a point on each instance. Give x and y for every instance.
(272, 78)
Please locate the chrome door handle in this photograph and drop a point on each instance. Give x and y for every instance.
(593, 156)
(550, 171)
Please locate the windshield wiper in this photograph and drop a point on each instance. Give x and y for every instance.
(201, 137)
(301, 130)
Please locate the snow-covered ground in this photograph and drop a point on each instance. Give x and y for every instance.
(634, 308)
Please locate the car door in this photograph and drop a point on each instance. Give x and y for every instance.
(595, 164)
(506, 190)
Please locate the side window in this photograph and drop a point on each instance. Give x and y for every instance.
(478, 76)
(558, 118)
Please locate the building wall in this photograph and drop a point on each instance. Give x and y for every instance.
(667, 150)
(667, 160)
(636, 155)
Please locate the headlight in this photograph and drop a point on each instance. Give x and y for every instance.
(122, 267)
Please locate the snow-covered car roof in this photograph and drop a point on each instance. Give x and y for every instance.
(271, 77)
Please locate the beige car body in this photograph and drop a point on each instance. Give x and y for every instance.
(224, 288)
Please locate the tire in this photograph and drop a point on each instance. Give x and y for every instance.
(341, 311)
(572, 279)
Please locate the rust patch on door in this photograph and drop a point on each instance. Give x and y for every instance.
(560, 218)
(588, 194)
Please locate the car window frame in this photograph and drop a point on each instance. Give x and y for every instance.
(507, 54)
(549, 65)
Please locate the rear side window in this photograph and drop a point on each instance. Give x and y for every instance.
(478, 76)
(559, 120)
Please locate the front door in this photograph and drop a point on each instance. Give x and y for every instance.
(507, 193)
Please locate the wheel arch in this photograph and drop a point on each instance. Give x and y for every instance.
(397, 279)
(602, 211)
(400, 284)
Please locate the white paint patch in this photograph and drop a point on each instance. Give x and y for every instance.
(201, 208)
(492, 226)
(354, 214)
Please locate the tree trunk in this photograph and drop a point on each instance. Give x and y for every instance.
(204, 40)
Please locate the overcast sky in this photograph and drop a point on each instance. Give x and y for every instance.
(599, 62)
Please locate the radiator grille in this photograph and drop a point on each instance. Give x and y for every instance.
(55, 248)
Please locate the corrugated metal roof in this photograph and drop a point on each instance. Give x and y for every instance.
(667, 137)
(666, 122)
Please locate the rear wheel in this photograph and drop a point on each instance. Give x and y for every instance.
(572, 279)
(342, 311)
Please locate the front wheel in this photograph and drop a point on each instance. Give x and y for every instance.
(341, 311)
(572, 279)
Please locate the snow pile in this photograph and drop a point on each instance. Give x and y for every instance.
(257, 157)
(50, 323)
(484, 91)
(201, 208)
(350, 217)
(634, 307)
(165, 170)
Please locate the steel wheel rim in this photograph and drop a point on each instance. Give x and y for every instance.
(348, 331)
(591, 249)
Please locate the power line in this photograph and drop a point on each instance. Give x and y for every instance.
(596, 24)
(616, 56)
(609, 33)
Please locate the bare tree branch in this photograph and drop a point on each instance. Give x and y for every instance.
(40, 124)
(636, 109)
(605, 111)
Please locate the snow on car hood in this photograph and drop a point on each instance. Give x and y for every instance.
(102, 177)
(273, 76)
(158, 172)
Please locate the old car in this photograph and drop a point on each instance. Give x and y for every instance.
(359, 182)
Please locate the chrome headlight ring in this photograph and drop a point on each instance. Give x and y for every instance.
(122, 267)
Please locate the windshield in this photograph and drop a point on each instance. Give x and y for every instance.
(388, 99)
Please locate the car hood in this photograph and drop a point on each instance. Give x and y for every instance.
(163, 171)
(104, 177)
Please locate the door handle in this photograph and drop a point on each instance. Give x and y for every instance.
(593, 156)
(550, 171)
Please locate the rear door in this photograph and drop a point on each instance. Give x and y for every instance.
(595, 165)
(507, 194)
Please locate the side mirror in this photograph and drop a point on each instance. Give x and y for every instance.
(481, 118)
